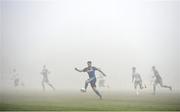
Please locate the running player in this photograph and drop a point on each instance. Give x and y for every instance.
(45, 73)
(158, 80)
(92, 77)
(136, 78)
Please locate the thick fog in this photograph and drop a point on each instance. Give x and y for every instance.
(114, 34)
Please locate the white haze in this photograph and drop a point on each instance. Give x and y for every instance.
(114, 34)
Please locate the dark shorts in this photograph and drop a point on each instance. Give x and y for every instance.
(93, 82)
(158, 81)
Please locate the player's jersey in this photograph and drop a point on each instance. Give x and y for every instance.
(90, 71)
(156, 74)
(45, 74)
(137, 77)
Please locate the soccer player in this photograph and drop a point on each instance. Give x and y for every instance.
(136, 78)
(16, 78)
(45, 73)
(92, 77)
(158, 80)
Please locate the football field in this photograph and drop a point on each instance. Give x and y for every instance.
(76, 101)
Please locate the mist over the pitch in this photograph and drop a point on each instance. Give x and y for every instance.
(64, 34)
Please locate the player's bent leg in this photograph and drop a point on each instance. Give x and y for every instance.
(154, 88)
(93, 85)
(165, 86)
(135, 85)
(138, 89)
(43, 86)
(51, 86)
(86, 84)
(140, 85)
(97, 92)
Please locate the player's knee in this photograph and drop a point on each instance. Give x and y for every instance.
(135, 87)
(86, 82)
(161, 85)
(93, 87)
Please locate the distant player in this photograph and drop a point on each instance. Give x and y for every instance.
(136, 78)
(45, 73)
(92, 77)
(16, 79)
(158, 80)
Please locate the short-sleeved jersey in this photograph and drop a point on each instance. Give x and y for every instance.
(90, 71)
(45, 73)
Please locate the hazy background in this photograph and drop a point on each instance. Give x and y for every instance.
(114, 34)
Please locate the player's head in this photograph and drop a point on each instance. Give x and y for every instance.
(134, 68)
(89, 63)
(153, 68)
(44, 66)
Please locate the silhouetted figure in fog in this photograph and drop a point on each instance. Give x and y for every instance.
(45, 73)
(16, 79)
(158, 80)
(92, 77)
(102, 82)
(136, 78)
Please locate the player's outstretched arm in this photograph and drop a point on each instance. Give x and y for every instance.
(78, 70)
(101, 71)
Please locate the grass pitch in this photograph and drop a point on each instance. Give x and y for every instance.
(76, 101)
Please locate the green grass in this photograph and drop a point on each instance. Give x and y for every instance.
(88, 102)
